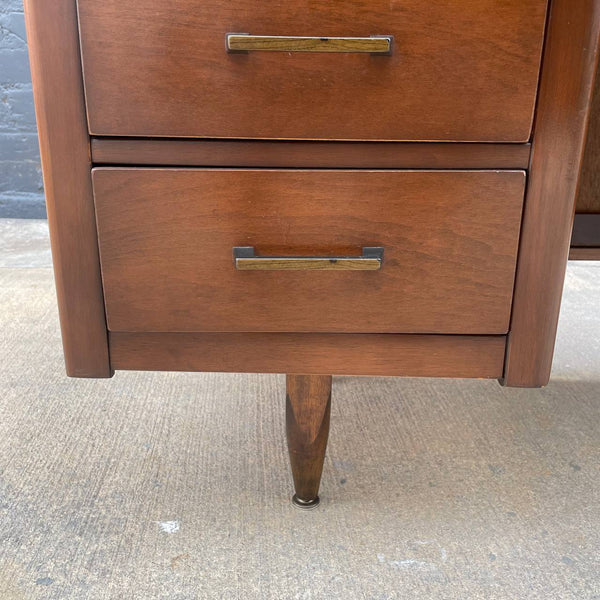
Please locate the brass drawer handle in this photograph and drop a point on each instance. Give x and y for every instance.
(245, 260)
(244, 42)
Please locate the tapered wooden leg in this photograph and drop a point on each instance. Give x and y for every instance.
(308, 405)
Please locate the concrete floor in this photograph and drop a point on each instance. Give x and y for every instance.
(176, 486)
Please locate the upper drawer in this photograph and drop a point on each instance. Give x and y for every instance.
(458, 71)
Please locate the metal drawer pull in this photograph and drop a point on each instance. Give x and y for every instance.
(245, 260)
(244, 42)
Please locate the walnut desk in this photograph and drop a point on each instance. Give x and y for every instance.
(312, 188)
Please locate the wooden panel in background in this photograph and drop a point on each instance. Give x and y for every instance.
(311, 353)
(585, 240)
(586, 230)
(584, 254)
(588, 200)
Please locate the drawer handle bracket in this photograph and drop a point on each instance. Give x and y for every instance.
(244, 43)
(246, 260)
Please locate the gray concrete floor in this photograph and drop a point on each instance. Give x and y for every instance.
(176, 486)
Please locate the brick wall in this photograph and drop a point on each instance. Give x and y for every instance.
(21, 192)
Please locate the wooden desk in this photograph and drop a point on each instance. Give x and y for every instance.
(391, 194)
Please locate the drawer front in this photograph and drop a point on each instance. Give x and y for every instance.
(458, 71)
(167, 238)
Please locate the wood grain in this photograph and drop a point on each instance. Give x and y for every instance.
(65, 152)
(261, 153)
(277, 43)
(566, 84)
(308, 264)
(584, 253)
(588, 199)
(308, 409)
(449, 237)
(460, 70)
(311, 353)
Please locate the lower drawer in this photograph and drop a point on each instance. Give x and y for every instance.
(167, 237)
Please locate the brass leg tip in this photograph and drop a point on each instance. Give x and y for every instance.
(305, 504)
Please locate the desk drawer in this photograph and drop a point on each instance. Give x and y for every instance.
(458, 71)
(449, 241)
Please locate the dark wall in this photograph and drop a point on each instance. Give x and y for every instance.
(21, 191)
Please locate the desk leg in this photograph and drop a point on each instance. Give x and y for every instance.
(308, 405)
